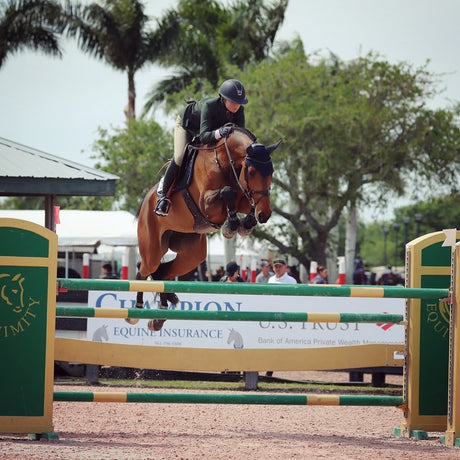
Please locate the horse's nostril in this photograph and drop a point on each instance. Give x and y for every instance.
(262, 217)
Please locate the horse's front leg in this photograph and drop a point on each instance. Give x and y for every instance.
(232, 223)
(247, 223)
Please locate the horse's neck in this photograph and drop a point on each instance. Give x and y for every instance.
(232, 153)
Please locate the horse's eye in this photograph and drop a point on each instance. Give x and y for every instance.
(252, 172)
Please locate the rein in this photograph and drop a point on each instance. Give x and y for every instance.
(248, 193)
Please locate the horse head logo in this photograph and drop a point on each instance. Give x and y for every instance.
(236, 338)
(100, 334)
(12, 291)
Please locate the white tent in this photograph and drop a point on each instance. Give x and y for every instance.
(83, 231)
(86, 229)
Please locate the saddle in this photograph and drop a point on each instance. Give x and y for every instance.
(201, 225)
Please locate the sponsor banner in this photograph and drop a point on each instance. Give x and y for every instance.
(247, 334)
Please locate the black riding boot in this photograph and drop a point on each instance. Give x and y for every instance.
(163, 202)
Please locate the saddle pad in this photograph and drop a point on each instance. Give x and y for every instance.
(186, 171)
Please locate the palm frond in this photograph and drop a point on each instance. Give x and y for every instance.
(28, 24)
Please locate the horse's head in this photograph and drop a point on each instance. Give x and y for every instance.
(256, 178)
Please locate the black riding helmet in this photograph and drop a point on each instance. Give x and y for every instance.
(233, 90)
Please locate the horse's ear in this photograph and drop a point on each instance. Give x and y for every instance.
(273, 147)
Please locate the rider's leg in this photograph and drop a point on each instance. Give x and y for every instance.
(180, 140)
(163, 202)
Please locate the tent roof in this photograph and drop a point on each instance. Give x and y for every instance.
(25, 171)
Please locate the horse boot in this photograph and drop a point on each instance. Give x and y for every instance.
(247, 223)
(231, 224)
(163, 202)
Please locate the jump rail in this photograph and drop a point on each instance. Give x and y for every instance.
(206, 398)
(296, 317)
(201, 287)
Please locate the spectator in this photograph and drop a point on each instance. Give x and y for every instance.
(220, 272)
(265, 272)
(321, 276)
(232, 273)
(281, 276)
(391, 279)
(359, 277)
(385, 278)
(107, 272)
(294, 272)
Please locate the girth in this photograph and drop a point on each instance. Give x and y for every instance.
(201, 224)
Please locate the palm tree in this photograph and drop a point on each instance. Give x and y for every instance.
(30, 24)
(194, 54)
(116, 31)
(251, 30)
(212, 36)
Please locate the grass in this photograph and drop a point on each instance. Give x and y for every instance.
(275, 387)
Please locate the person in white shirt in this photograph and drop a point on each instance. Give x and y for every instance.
(281, 276)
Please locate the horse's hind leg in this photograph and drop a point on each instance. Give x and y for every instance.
(191, 251)
(139, 301)
(157, 324)
(161, 274)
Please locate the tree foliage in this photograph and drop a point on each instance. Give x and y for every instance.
(212, 41)
(136, 153)
(433, 215)
(423, 217)
(30, 24)
(353, 132)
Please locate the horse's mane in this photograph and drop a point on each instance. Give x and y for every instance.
(245, 131)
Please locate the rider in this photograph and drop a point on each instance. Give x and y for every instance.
(203, 121)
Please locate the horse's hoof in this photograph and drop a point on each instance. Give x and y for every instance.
(249, 221)
(243, 231)
(132, 321)
(227, 230)
(172, 298)
(228, 235)
(155, 325)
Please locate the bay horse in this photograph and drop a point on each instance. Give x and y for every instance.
(233, 176)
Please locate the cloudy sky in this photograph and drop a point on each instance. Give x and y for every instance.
(57, 105)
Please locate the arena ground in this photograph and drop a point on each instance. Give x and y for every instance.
(185, 431)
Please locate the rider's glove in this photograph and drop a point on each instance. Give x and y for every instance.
(225, 131)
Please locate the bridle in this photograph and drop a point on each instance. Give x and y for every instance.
(248, 192)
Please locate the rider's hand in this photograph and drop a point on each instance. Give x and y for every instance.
(225, 131)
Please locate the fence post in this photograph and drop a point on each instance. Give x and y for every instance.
(428, 265)
(452, 435)
(28, 266)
